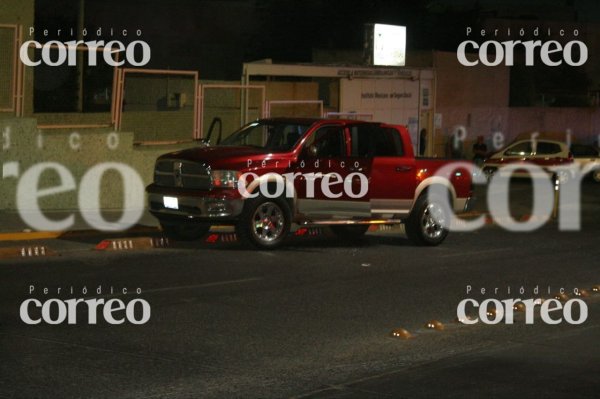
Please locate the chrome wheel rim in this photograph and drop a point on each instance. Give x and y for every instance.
(563, 177)
(433, 221)
(268, 222)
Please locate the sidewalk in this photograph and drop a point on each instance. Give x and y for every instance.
(14, 228)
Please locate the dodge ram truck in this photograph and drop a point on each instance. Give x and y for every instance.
(271, 173)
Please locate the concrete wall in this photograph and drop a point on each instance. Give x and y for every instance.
(226, 103)
(293, 91)
(477, 121)
(583, 123)
(513, 123)
(159, 125)
(473, 97)
(477, 98)
(475, 86)
(157, 92)
(24, 148)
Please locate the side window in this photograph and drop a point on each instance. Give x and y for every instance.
(392, 137)
(374, 141)
(522, 149)
(579, 150)
(284, 137)
(545, 148)
(327, 142)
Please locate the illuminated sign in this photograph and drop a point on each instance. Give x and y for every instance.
(386, 44)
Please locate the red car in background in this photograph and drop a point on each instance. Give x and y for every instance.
(541, 152)
(584, 155)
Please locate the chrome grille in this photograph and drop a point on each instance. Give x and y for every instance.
(180, 173)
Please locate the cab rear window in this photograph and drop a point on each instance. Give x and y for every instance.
(375, 141)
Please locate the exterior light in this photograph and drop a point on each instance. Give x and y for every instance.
(401, 333)
(434, 325)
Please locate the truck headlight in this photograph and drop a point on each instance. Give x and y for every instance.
(224, 178)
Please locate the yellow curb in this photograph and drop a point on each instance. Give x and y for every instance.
(26, 252)
(42, 235)
(133, 243)
(34, 235)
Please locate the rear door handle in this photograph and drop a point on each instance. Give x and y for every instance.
(403, 168)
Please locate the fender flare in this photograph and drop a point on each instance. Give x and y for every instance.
(430, 181)
(271, 177)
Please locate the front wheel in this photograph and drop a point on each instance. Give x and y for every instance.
(426, 225)
(264, 223)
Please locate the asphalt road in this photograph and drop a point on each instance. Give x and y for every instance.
(312, 319)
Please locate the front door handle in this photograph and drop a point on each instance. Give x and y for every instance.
(403, 168)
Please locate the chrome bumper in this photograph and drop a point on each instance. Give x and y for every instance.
(197, 207)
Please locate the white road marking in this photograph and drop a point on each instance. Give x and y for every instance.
(205, 285)
(475, 252)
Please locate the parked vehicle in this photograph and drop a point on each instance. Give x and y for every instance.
(325, 164)
(585, 155)
(541, 152)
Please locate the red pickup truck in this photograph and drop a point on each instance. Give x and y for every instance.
(271, 173)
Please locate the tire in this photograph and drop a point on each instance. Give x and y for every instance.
(264, 222)
(424, 226)
(185, 231)
(350, 232)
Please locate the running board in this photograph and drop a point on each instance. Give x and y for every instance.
(352, 222)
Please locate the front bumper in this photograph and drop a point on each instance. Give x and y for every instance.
(196, 206)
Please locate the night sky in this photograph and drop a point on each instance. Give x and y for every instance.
(216, 37)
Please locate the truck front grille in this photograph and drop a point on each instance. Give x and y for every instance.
(180, 173)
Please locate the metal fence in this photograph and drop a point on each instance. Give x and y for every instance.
(159, 106)
(295, 108)
(11, 71)
(225, 107)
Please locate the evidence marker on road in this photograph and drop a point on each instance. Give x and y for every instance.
(582, 293)
(401, 333)
(434, 325)
(134, 243)
(26, 252)
(561, 297)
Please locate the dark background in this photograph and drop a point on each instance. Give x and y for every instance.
(217, 37)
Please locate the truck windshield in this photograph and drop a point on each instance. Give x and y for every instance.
(273, 136)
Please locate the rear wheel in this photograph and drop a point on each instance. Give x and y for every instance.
(563, 176)
(185, 231)
(264, 223)
(354, 232)
(427, 222)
